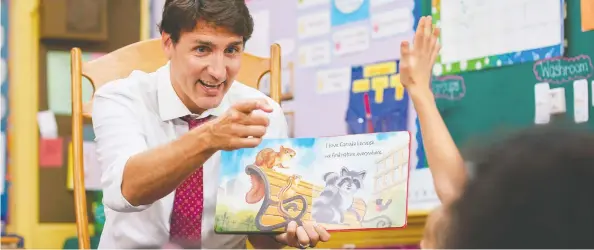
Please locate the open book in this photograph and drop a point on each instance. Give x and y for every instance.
(352, 182)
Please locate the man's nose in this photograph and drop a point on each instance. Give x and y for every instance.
(217, 69)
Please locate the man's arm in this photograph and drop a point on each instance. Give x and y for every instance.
(152, 174)
(444, 159)
(133, 175)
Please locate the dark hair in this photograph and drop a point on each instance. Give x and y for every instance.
(533, 190)
(182, 15)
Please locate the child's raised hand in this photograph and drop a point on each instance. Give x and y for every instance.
(416, 63)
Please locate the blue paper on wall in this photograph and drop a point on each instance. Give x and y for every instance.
(347, 11)
(88, 133)
(387, 98)
(422, 163)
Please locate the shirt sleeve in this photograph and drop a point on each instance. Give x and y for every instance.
(278, 123)
(118, 136)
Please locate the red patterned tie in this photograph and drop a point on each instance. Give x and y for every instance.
(186, 216)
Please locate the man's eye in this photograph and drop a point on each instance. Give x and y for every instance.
(231, 50)
(202, 49)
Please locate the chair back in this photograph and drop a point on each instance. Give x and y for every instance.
(146, 56)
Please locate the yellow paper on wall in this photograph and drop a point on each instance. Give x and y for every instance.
(70, 177)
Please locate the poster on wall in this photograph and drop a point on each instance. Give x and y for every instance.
(5, 108)
(377, 101)
(525, 31)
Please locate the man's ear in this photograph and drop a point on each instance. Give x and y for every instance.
(167, 44)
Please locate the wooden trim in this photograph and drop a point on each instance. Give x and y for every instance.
(23, 69)
(145, 20)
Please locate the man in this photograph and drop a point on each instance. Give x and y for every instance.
(159, 134)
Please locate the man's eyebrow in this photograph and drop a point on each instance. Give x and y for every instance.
(202, 42)
(236, 43)
(211, 44)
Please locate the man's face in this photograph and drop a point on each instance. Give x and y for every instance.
(204, 64)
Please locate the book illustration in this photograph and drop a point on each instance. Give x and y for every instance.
(268, 158)
(343, 183)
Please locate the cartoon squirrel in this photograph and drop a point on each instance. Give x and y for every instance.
(268, 158)
(289, 190)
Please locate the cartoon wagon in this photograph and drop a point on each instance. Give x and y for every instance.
(287, 198)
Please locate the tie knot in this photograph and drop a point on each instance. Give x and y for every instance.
(193, 122)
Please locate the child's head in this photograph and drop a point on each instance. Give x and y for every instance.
(435, 227)
(533, 190)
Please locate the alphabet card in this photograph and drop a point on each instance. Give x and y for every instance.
(344, 183)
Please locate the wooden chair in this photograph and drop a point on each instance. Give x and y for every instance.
(147, 56)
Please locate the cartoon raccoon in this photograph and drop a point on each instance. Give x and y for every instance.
(338, 195)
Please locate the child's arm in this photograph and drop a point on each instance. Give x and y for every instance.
(444, 159)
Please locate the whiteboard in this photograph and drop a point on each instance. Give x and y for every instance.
(479, 34)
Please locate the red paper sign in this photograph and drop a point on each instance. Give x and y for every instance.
(51, 152)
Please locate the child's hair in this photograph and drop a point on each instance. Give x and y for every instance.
(533, 190)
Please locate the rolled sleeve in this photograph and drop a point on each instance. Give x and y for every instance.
(118, 135)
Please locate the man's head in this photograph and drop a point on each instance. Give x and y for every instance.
(203, 40)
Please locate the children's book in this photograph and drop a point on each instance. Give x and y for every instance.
(352, 182)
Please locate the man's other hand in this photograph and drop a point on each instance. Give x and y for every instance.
(304, 236)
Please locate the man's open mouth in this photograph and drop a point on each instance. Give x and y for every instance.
(210, 85)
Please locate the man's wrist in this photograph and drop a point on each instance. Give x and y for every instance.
(203, 139)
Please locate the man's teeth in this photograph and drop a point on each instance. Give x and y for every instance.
(210, 85)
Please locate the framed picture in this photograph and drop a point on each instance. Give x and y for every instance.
(290, 116)
(287, 82)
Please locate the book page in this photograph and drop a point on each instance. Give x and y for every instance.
(351, 182)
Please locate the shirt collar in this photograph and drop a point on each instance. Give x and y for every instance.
(170, 105)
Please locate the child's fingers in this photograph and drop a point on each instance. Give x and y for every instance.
(418, 40)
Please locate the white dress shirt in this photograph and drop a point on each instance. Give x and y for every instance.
(141, 112)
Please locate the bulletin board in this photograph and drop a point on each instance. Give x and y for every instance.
(480, 105)
(518, 31)
(56, 201)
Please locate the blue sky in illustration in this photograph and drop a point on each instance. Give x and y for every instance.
(232, 162)
(308, 150)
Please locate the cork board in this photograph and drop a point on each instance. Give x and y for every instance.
(56, 201)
